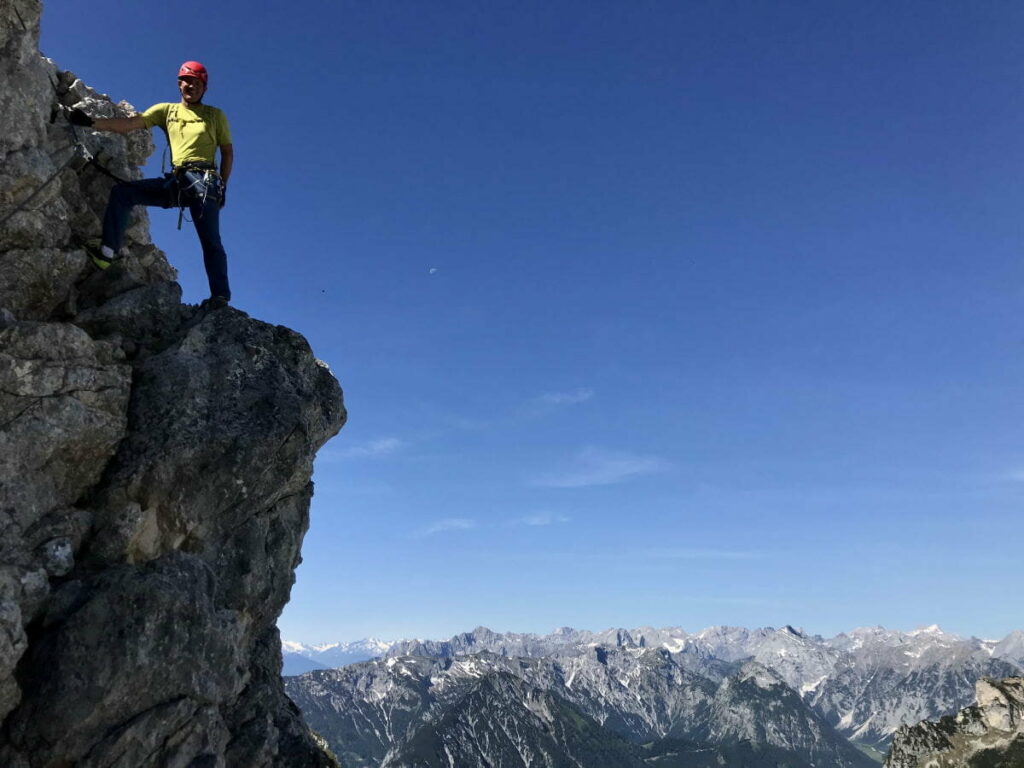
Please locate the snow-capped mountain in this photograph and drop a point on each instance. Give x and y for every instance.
(606, 706)
(885, 679)
(864, 684)
(1010, 648)
(300, 657)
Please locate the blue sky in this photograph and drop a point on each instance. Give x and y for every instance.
(647, 313)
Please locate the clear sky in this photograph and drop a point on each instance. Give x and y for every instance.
(647, 313)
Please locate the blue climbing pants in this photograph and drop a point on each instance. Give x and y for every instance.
(199, 192)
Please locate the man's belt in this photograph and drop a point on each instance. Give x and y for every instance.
(179, 169)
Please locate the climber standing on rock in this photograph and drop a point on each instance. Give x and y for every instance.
(194, 133)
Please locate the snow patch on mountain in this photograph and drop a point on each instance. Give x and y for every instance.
(339, 654)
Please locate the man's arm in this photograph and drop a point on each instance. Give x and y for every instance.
(119, 124)
(227, 159)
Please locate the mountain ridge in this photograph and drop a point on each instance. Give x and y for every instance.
(865, 683)
(375, 712)
(1010, 647)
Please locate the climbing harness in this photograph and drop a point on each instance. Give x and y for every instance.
(200, 177)
(198, 180)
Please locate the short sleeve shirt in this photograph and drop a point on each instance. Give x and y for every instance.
(194, 133)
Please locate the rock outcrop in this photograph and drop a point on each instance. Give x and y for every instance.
(155, 464)
(989, 734)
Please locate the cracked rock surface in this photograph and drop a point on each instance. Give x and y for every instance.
(155, 465)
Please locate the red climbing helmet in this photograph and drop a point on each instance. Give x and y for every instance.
(194, 69)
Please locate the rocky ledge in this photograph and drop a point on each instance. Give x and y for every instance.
(155, 464)
(989, 734)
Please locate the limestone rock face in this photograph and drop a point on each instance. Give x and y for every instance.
(59, 197)
(989, 734)
(155, 465)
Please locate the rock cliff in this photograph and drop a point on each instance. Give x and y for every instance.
(989, 734)
(155, 464)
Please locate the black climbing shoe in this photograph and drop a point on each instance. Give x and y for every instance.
(214, 302)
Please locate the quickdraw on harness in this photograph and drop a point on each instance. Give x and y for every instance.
(196, 179)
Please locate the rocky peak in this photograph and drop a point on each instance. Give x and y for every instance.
(989, 734)
(759, 675)
(1001, 703)
(155, 464)
(1011, 648)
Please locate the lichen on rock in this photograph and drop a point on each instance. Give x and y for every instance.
(155, 465)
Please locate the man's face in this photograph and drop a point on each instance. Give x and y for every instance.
(191, 88)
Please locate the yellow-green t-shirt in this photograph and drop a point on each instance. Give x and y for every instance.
(193, 133)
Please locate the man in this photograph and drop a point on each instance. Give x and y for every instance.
(194, 133)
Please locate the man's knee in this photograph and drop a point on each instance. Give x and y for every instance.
(122, 193)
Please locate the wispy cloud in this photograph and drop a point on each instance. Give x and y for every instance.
(542, 519)
(638, 557)
(549, 401)
(384, 446)
(449, 524)
(670, 553)
(565, 398)
(598, 467)
(538, 520)
(1015, 475)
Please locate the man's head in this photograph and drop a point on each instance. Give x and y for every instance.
(192, 82)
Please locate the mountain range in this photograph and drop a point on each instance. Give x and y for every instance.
(300, 657)
(651, 696)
